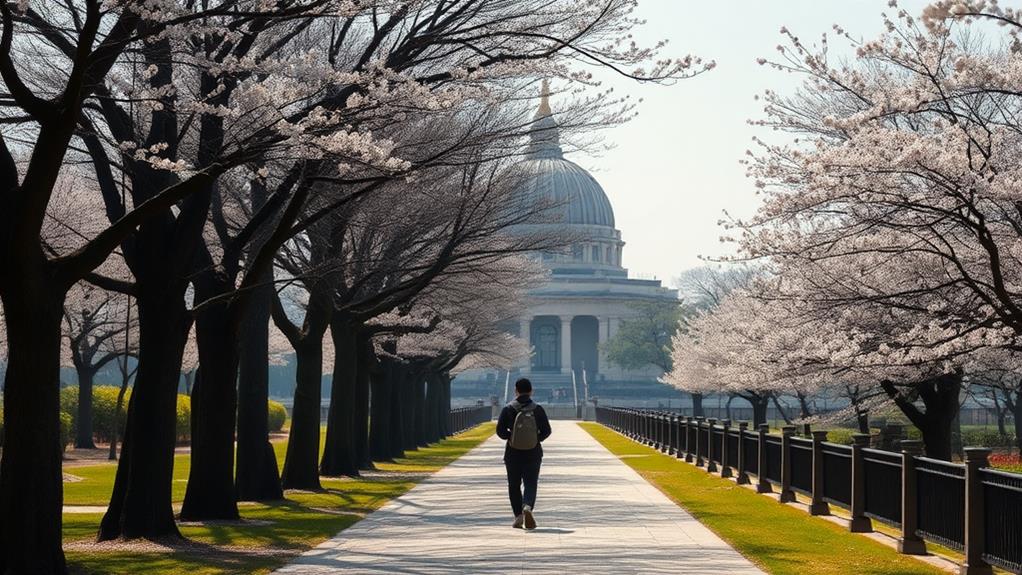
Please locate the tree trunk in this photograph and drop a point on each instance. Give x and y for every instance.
(697, 404)
(433, 414)
(363, 382)
(397, 415)
(83, 433)
(862, 418)
(940, 399)
(300, 463)
(760, 404)
(445, 404)
(956, 434)
(804, 413)
(410, 406)
(115, 430)
(140, 505)
(257, 477)
(31, 481)
(210, 494)
(1016, 409)
(340, 455)
(379, 418)
(419, 396)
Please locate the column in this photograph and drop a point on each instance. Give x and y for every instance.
(604, 336)
(525, 332)
(565, 344)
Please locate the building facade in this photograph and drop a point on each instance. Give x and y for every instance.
(588, 292)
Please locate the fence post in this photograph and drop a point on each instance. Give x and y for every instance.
(975, 459)
(762, 484)
(675, 436)
(818, 506)
(711, 466)
(859, 523)
(909, 543)
(743, 476)
(664, 433)
(688, 438)
(786, 494)
(725, 471)
(699, 442)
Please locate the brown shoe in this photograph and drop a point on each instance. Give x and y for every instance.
(530, 521)
(519, 521)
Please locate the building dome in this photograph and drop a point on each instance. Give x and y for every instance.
(548, 179)
(574, 196)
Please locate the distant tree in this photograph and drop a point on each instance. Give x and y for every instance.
(646, 339)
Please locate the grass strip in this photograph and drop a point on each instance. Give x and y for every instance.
(779, 539)
(270, 534)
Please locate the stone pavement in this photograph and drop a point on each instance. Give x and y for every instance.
(595, 515)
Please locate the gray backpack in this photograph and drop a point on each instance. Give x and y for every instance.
(525, 431)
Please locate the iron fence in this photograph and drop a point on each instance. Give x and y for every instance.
(965, 506)
(801, 452)
(1002, 524)
(462, 418)
(940, 493)
(882, 480)
(750, 443)
(837, 474)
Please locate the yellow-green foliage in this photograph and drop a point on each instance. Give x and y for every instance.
(304, 520)
(104, 406)
(778, 538)
(277, 415)
(65, 429)
(841, 435)
(184, 417)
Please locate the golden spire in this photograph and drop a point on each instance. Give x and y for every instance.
(544, 102)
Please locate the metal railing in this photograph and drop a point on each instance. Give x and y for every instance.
(965, 506)
(463, 418)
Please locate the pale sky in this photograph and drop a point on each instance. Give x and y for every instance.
(674, 169)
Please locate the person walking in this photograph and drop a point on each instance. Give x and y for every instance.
(524, 425)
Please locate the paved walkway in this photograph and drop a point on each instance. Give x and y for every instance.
(595, 515)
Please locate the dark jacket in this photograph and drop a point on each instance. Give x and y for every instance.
(507, 421)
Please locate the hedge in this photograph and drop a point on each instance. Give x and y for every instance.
(277, 415)
(104, 405)
(66, 429)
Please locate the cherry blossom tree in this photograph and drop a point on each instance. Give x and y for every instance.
(891, 212)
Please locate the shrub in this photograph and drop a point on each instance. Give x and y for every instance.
(982, 436)
(65, 429)
(184, 417)
(841, 435)
(104, 406)
(277, 415)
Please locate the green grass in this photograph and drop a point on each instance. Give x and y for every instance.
(271, 533)
(778, 538)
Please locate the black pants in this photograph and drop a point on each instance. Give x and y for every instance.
(519, 472)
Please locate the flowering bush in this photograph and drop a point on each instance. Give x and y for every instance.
(1007, 461)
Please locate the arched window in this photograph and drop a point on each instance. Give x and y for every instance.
(610, 255)
(596, 253)
(576, 252)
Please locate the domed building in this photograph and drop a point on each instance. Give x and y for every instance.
(588, 292)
